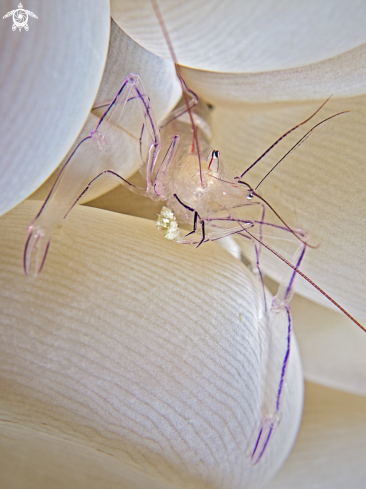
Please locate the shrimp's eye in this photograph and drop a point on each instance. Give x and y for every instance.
(214, 164)
(250, 195)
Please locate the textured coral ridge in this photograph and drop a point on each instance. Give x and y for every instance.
(152, 357)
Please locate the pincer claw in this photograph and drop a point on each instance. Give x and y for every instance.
(35, 250)
(268, 426)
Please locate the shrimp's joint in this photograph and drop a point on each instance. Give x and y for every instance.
(167, 222)
(99, 139)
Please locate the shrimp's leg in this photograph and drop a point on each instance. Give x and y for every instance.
(106, 148)
(182, 109)
(194, 224)
(160, 174)
(275, 343)
(196, 217)
(259, 271)
(108, 174)
(203, 233)
(257, 250)
(263, 213)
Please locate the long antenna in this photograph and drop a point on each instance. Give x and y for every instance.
(282, 137)
(181, 80)
(283, 222)
(299, 142)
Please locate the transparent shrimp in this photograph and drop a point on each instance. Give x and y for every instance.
(190, 177)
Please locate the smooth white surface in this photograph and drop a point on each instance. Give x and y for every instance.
(246, 36)
(340, 76)
(49, 77)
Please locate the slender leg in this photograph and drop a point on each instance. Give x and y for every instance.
(99, 152)
(276, 342)
(194, 224)
(257, 257)
(107, 174)
(203, 233)
(263, 214)
(196, 217)
(182, 109)
(275, 332)
(163, 168)
(275, 336)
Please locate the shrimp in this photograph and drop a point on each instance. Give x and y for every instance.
(190, 178)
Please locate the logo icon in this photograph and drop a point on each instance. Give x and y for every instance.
(20, 18)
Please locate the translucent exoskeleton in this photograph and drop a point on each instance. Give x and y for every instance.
(190, 177)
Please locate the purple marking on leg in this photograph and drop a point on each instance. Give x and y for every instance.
(264, 445)
(59, 175)
(105, 172)
(113, 102)
(279, 393)
(44, 256)
(260, 229)
(25, 254)
(148, 112)
(160, 174)
(184, 205)
(194, 224)
(140, 142)
(156, 143)
(260, 275)
(291, 282)
(147, 108)
(287, 354)
(256, 443)
(203, 233)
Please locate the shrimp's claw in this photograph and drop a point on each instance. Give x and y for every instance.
(275, 335)
(35, 250)
(267, 428)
